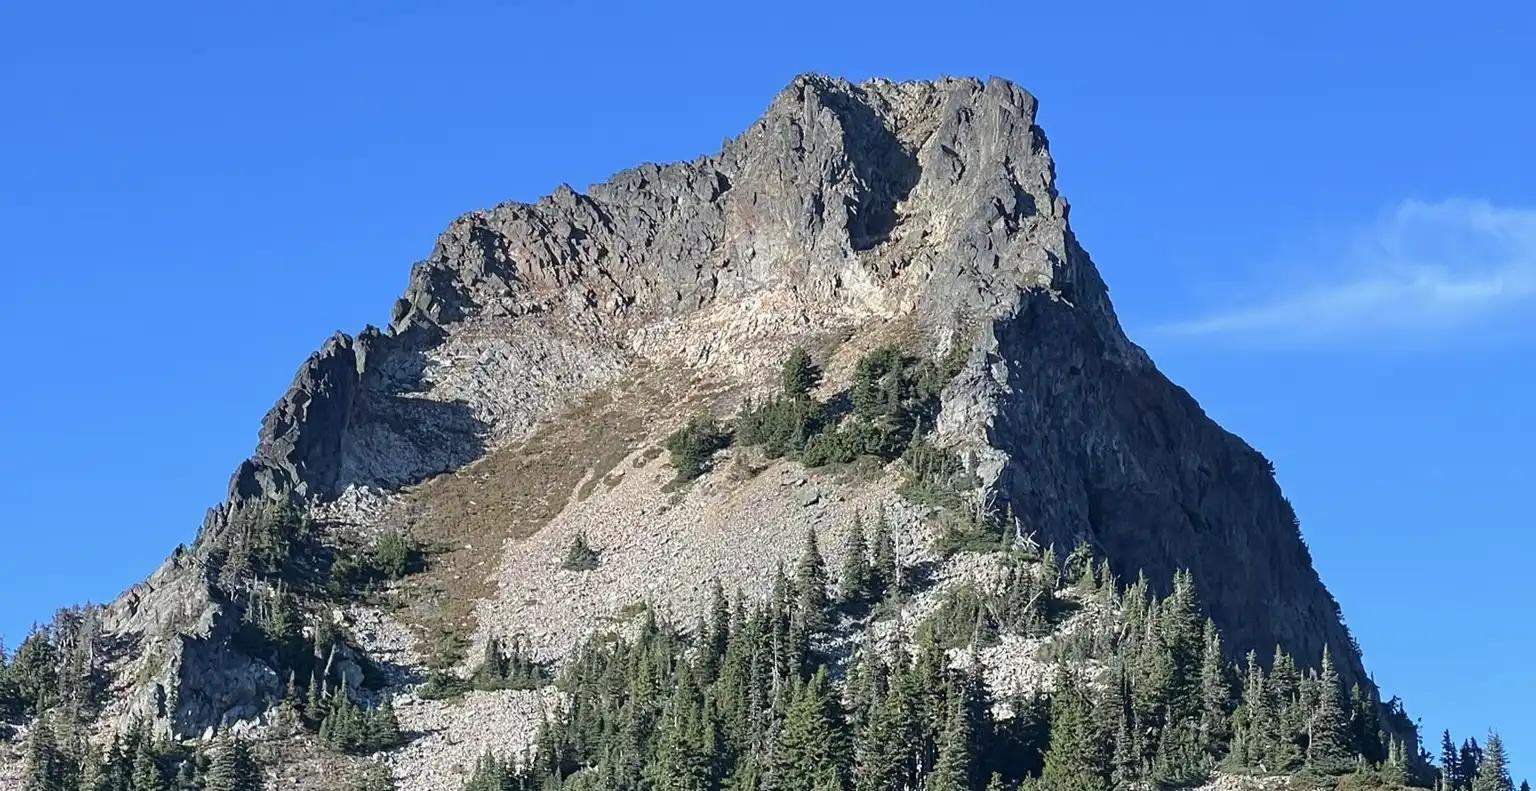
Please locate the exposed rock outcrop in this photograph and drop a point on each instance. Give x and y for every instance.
(928, 203)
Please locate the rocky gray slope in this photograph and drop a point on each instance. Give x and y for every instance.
(931, 204)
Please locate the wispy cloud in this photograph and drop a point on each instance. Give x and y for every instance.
(1423, 267)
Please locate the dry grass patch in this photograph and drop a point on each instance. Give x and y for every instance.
(465, 518)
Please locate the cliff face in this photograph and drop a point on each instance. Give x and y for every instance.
(931, 204)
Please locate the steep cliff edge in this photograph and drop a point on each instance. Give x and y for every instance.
(929, 205)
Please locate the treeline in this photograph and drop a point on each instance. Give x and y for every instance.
(1473, 767)
(1144, 695)
(60, 758)
(266, 566)
(272, 543)
(891, 403)
(503, 665)
(57, 667)
(757, 696)
(272, 564)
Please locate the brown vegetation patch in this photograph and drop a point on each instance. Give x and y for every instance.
(465, 518)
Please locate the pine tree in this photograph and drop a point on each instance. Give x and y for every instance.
(811, 585)
(854, 587)
(1126, 752)
(233, 768)
(48, 766)
(1077, 758)
(293, 700)
(119, 760)
(1254, 719)
(1525, 785)
(33, 675)
(314, 701)
(885, 746)
(147, 774)
(580, 556)
(800, 374)
(1328, 728)
(1450, 764)
(95, 773)
(1183, 630)
(383, 727)
(1394, 771)
(1493, 769)
(1468, 763)
(952, 771)
(1215, 694)
(1365, 734)
(1289, 724)
(490, 775)
(684, 753)
(809, 751)
(1081, 568)
(1181, 760)
(717, 637)
(886, 571)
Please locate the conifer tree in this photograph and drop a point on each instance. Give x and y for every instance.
(886, 571)
(95, 772)
(952, 771)
(383, 727)
(684, 752)
(1328, 729)
(293, 700)
(1289, 723)
(885, 747)
(1525, 785)
(1215, 694)
(1365, 727)
(1081, 569)
(1254, 718)
(1076, 759)
(1469, 763)
(233, 768)
(33, 675)
(717, 637)
(863, 687)
(314, 701)
(1450, 763)
(1493, 769)
(7, 694)
(800, 374)
(854, 587)
(48, 766)
(1183, 632)
(1153, 681)
(147, 774)
(490, 775)
(811, 585)
(1180, 760)
(809, 751)
(119, 760)
(1394, 771)
(1126, 753)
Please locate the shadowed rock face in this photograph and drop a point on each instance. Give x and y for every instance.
(934, 201)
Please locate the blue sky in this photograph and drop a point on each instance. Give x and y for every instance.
(1319, 219)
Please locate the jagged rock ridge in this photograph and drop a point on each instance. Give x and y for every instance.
(927, 202)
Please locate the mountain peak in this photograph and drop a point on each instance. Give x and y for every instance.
(542, 353)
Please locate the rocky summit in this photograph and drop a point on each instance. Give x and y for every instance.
(515, 428)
